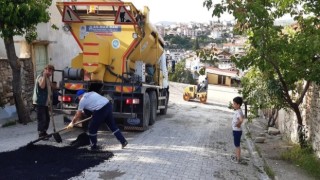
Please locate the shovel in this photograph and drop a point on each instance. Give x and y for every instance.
(65, 128)
(56, 136)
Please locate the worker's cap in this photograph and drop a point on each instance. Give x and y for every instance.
(80, 92)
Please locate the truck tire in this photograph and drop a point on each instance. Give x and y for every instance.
(145, 116)
(164, 111)
(186, 97)
(153, 107)
(203, 100)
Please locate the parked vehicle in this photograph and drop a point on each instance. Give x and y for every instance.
(122, 58)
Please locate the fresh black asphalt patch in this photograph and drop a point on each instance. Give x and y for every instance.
(48, 162)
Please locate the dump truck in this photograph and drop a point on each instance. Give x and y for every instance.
(122, 59)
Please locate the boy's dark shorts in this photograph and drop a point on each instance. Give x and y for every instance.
(237, 138)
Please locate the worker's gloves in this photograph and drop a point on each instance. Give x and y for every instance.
(70, 125)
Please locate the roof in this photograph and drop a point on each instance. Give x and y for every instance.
(225, 53)
(232, 44)
(224, 72)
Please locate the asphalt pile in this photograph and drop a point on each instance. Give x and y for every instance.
(49, 162)
(82, 140)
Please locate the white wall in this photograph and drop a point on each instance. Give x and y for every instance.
(62, 46)
(2, 50)
(3, 53)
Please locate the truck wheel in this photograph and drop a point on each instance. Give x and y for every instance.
(164, 111)
(146, 112)
(153, 107)
(186, 97)
(203, 99)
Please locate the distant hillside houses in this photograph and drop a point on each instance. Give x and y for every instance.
(222, 77)
(219, 67)
(216, 29)
(225, 45)
(224, 71)
(226, 74)
(177, 54)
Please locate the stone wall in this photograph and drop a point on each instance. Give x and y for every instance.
(313, 115)
(5, 83)
(310, 110)
(287, 124)
(27, 75)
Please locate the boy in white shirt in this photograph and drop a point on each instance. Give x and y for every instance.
(236, 127)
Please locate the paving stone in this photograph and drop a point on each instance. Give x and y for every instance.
(259, 139)
(181, 144)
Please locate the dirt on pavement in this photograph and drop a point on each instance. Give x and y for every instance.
(271, 151)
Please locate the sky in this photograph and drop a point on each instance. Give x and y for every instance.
(177, 10)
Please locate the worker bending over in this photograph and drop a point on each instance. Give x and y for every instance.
(101, 110)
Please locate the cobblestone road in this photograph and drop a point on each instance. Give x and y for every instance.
(193, 141)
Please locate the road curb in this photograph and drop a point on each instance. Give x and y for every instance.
(258, 162)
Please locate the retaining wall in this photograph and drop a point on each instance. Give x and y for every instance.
(27, 79)
(310, 110)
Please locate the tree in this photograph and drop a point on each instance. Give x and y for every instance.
(202, 71)
(179, 41)
(260, 92)
(196, 45)
(288, 56)
(181, 74)
(20, 17)
(207, 57)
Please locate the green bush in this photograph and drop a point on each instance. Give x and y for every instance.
(305, 158)
(181, 75)
(202, 71)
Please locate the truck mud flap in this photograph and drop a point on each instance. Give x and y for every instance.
(133, 128)
(134, 124)
(131, 123)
